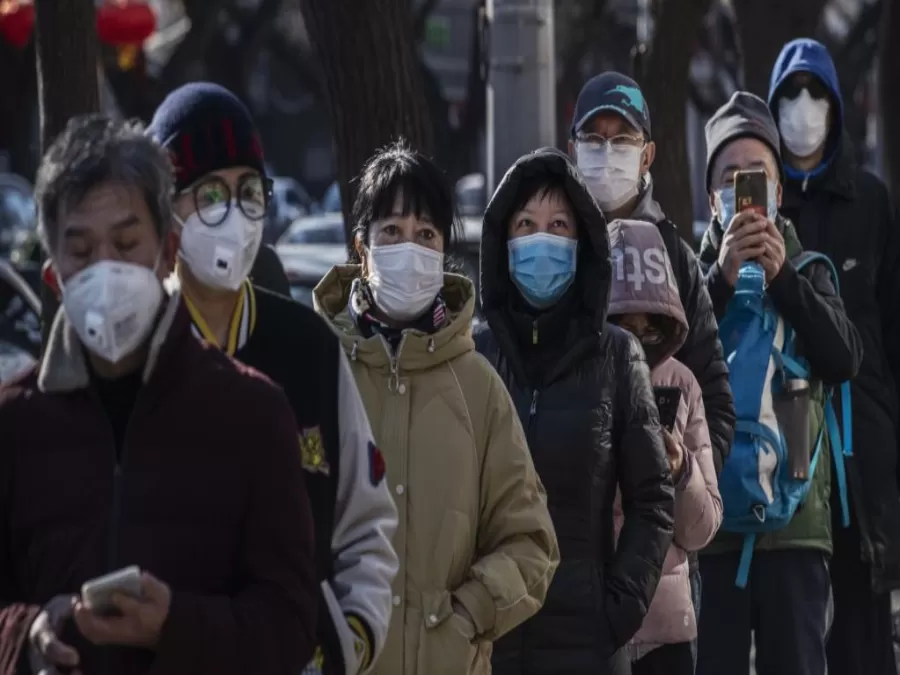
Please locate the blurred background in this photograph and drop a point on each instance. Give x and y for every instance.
(291, 61)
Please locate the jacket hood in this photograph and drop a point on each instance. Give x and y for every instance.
(643, 280)
(420, 351)
(592, 274)
(809, 56)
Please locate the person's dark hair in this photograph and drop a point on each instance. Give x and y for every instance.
(398, 169)
(96, 149)
(539, 185)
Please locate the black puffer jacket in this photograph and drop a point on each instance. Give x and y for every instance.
(846, 213)
(582, 389)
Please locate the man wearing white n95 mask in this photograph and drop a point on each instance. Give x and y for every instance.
(845, 212)
(133, 444)
(221, 198)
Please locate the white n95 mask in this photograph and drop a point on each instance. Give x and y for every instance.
(112, 305)
(803, 123)
(220, 256)
(404, 279)
(612, 174)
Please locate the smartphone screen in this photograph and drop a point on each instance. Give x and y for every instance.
(751, 191)
(667, 402)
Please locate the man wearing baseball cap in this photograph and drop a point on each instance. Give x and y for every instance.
(611, 142)
(220, 201)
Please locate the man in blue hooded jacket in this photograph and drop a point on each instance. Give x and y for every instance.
(845, 212)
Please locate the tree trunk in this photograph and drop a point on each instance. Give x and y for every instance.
(16, 112)
(665, 84)
(66, 63)
(889, 78)
(765, 26)
(66, 44)
(372, 78)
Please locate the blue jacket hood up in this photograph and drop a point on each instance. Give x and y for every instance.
(808, 56)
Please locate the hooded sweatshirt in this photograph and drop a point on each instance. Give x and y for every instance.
(845, 212)
(643, 282)
(809, 56)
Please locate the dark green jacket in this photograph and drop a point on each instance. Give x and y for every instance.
(827, 339)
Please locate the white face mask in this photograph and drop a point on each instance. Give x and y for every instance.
(803, 123)
(221, 256)
(405, 279)
(112, 306)
(612, 174)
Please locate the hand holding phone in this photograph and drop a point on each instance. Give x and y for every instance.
(97, 594)
(667, 401)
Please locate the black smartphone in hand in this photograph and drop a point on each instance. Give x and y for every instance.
(667, 401)
(751, 192)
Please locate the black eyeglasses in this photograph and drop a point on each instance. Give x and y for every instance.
(253, 195)
(793, 87)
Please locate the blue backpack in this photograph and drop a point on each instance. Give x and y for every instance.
(759, 494)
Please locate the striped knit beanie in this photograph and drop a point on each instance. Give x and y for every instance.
(205, 128)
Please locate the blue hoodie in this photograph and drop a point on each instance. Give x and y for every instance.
(808, 56)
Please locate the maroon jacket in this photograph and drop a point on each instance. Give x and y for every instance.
(209, 497)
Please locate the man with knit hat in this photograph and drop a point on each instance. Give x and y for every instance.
(785, 603)
(221, 198)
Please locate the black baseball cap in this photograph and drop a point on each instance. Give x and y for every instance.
(612, 92)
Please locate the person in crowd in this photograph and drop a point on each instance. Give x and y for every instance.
(221, 194)
(785, 602)
(644, 301)
(845, 212)
(477, 546)
(132, 443)
(612, 145)
(583, 392)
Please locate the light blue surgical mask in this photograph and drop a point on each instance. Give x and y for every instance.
(724, 201)
(542, 266)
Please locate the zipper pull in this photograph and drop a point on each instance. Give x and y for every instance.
(534, 333)
(534, 400)
(805, 183)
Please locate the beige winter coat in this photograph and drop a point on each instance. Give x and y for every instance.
(474, 524)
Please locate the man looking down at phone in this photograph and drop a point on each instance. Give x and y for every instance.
(785, 602)
(644, 301)
(133, 443)
(845, 211)
(220, 202)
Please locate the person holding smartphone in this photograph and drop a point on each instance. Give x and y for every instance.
(132, 448)
(644, 301)
(786, 601)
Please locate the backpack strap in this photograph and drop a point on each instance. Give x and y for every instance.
(841, 436)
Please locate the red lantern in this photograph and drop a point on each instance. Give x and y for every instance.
(124, 22)
(16, 21)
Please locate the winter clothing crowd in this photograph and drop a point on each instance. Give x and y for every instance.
(642, 459)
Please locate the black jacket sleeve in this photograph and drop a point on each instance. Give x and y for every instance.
(702, 353)
(647, 493)
(888, 282)
(809, 303)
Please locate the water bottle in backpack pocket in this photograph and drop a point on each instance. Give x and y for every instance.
(767, 474)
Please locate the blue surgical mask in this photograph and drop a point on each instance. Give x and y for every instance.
(724, 201)
(542, 266)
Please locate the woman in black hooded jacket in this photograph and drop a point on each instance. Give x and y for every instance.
(582, 390)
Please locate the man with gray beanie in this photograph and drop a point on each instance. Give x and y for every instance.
(784, 600)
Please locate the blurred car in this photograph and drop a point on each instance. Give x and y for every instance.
(18, 216)
(20, 332)
(310, 247)
(331, 201)
(290, 201)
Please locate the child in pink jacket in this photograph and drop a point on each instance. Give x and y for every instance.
(644, 300)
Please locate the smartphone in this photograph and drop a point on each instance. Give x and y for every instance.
(751, 192)
(96, 594)
(667, 401)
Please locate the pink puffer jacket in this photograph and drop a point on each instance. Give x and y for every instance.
(643, 282)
